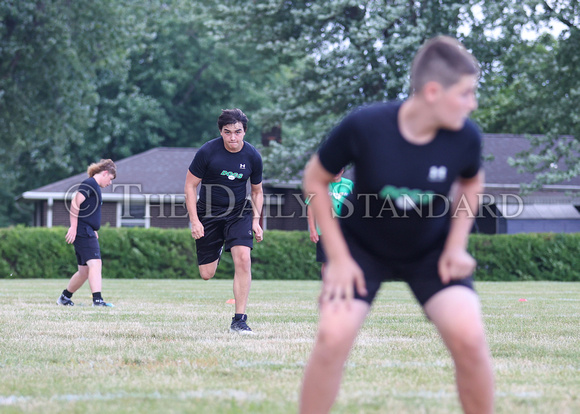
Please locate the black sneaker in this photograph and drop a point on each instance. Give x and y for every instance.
(101, 302)
(64, 301)
(240, 326)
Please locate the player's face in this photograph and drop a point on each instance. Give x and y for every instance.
(106, 179)
(457, 102)
(233, 135)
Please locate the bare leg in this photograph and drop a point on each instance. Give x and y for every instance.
(95, 267)
(456, 313)
(207, 271)
(78, 279)
(242, 276)
(337, 329)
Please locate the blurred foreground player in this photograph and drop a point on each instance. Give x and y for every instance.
(406, 156)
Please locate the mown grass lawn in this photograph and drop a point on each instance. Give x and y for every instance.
(165, 348)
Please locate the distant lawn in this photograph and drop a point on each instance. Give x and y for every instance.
(165, 348)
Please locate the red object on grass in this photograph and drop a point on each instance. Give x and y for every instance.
(523, 300)
(231, 301)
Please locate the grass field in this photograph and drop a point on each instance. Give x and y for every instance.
(165, 348)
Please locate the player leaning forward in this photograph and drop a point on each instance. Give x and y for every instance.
(406, 156)
(85, 221)
(223, 214)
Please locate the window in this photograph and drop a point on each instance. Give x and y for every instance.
(132, 214)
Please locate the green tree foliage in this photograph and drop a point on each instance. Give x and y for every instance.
(83, 80)
(531, 84)
(51, 57)
(340, 55)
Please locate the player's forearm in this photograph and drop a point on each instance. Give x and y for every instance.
(74, 210)
(463, 211)
(257, 203)
(191, 203)
(74, 216)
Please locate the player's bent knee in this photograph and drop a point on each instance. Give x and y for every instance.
(335, 342)
(469, 342)
(207, 273)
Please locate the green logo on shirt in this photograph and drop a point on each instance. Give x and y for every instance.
(232, 175)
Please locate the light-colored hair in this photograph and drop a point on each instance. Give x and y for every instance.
(103, 165)
(442, 59)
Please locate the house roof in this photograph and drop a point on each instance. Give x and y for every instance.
(502, 147)
(163, 170)
(158, 171)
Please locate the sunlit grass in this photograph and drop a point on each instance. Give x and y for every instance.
(165, 347)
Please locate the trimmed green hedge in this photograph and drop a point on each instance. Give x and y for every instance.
(36, 252)
(532, 256)
(170, 254)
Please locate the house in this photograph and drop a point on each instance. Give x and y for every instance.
(554, 208)
(148, 192)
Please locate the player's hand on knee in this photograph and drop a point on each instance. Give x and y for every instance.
(455, 264)
(341, 278)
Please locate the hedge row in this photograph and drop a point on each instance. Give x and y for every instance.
(35, 252)
(170, 254)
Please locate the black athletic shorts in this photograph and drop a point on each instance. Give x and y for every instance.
(422, 274)
(86, 248)
(320, 255)
(235, 229)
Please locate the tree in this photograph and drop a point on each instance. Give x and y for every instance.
(531, 85)
(340, 54)
(86, 80)
(51, 54)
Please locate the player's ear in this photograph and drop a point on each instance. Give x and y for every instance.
(431, 91)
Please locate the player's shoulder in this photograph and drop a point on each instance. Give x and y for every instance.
(250, 149)
(470, 131)
(211, 145)
(370, 114)
(377, 109)
(90, 181)
(88, 184)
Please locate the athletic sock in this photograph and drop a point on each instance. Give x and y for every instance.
(67, 293)
(97, 296)
(238, 316)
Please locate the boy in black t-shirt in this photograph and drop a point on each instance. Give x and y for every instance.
(85, 221)
(223, 215)
(407, 156)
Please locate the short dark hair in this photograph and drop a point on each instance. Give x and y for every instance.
(232, 116)
(442, 59)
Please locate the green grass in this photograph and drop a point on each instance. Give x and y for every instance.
(166, 348)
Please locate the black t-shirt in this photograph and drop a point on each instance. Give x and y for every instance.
(399, 207)
(225, 175)
(90, 209)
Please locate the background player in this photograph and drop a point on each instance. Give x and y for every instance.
(85, 221)
(338, 189)
(223, 217)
